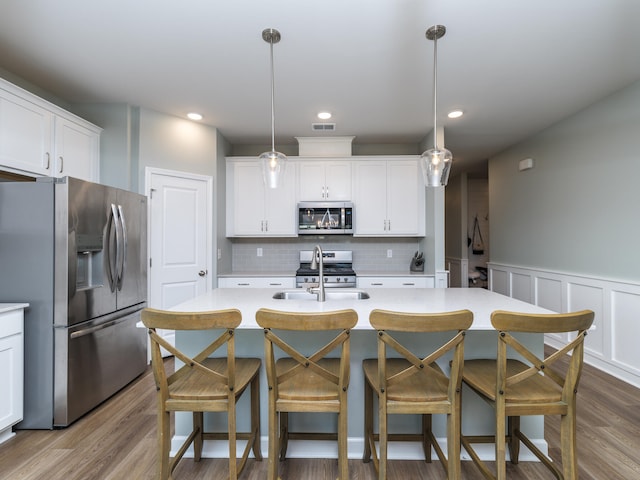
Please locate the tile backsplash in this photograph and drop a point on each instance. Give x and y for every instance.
(280, 255)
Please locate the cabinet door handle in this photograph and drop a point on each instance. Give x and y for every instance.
(61, 163)
(275, 284)
(266, 225)
(48, 160)
(378, 284)
(408, 284)
(327, 189)
(243, 284)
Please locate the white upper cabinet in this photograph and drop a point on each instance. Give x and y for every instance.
(39, 138)
(25, 135)
(77, 150)
(324, 180)
(253, 210)
(388, 197)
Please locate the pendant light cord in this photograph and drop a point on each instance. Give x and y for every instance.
(435, 90)
(273, 117)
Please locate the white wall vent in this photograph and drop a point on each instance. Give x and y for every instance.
(323, 127)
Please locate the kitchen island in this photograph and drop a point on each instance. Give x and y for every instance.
(480, 342)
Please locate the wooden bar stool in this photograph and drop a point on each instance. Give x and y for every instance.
(529, 386)
(302, 382)
(413, 384)
(203, 384)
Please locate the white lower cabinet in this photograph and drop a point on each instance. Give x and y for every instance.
(256, 282)
(395, 282)
(11, 368)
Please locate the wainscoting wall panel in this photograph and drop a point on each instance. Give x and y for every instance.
(612, 341)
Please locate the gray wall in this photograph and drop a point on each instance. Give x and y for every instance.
(118, 142)
(456, 217)
(177, 144)
(577, 210)
(224, 245)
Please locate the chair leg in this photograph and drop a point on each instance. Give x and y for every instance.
(426, 438)
(343, 459)
(272, 467)
(568, 444)
(368, 422)
(164, 444)
(382, 430)
(284, 435)
(453, 443)
(255, 417)
(514, 441)
(197, 441)
(501, 467)
(231, 426)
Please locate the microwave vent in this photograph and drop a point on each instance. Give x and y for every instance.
(323, 127)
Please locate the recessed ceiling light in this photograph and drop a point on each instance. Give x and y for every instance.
(194, 116)
(324, 115)
(455, 114)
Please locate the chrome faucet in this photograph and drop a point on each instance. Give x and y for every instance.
(317, 261)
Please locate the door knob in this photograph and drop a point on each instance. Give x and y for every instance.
(202, 273)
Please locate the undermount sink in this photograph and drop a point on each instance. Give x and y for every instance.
(330, 294)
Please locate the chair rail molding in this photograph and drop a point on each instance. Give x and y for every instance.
(611, 344)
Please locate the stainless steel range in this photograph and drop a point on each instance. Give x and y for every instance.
(338, 269)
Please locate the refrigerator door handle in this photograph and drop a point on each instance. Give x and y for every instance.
(102, 326)
(110, 255)
(123, 248)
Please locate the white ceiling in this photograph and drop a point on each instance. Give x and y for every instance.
(514, 66)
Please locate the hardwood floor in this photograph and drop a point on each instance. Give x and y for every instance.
(117, 441)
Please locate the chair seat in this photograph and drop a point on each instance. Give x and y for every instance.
(423, 386)
(307, 384)
(481, 376)
(198, 385)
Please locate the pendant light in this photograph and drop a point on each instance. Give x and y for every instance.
(273, 163)
(436, 162)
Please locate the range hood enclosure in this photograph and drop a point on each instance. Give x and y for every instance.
(324, 146)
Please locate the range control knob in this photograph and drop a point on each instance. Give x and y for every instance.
(337, 279)
(325, 279)
(313, 279)
(306, 279)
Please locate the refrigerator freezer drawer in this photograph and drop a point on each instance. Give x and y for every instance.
(99, 359)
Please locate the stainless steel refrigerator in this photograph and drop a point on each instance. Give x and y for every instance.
(76, 252)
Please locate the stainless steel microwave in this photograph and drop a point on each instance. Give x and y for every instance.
(321, 218)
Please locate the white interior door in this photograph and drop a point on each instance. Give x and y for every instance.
(180, 237)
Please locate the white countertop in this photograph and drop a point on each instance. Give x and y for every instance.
(480, 301)
(365, 273)
(9, 307)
